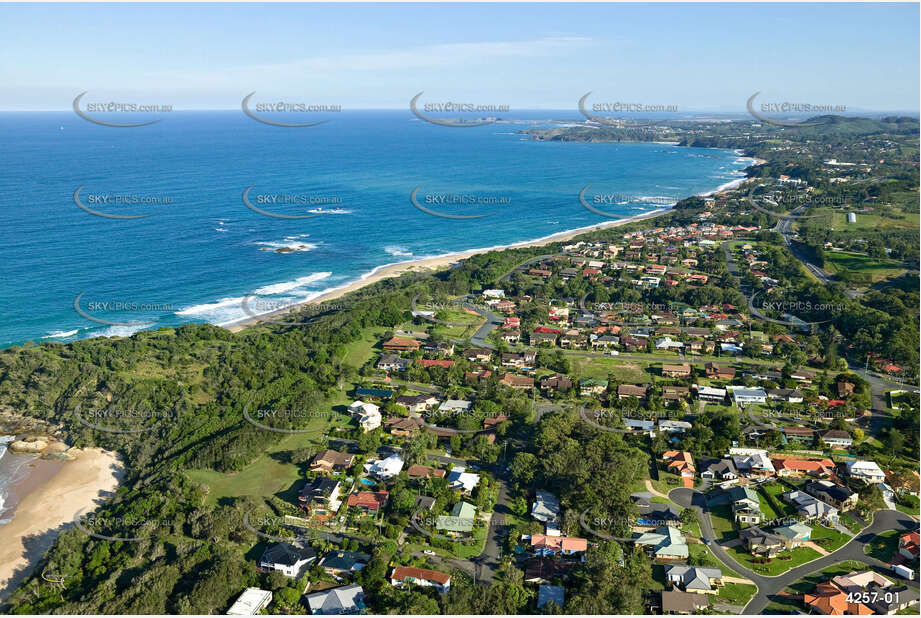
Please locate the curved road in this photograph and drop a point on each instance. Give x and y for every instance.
(769, 586)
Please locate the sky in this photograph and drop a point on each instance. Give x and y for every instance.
(698, 57)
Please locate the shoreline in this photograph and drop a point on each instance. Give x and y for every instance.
(49, 504)
(440, 262)
(433, 263)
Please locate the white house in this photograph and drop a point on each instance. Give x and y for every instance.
(287, 558)
(385, 468)
(748, 395)
(866, 470)
(459, 478)
(494, 293)
(250, 602)
(674, 426)
(708, 393)
(368, 415)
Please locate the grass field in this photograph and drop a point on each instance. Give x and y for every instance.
(721, 518)
(869, 221)
(884, 545)
(624, 370)
(846, 264)
(798, 556)
(828, 539)
(737, 594)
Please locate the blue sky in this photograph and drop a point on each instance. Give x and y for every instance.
(528, 56)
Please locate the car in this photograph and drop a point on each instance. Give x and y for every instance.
(707, 541)
(474, 467)
(615, 353)
(429, 552)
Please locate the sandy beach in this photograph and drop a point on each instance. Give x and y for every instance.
(50, 507)
(436, 263)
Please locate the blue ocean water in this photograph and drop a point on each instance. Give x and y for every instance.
(203, 250)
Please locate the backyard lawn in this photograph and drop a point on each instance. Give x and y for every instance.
(721, 518)
(828, 539)
(737, 594)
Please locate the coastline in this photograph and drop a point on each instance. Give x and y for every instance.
(439, 262)
(51, 499)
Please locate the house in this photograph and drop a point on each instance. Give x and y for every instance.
(368, 501)
(459, 478)
(744, 396)
(746, 506)
(424, 472)
(866, 470)
(788, 395)
(700, 580)
(392, 362)
(494, 421)
(344, 562)
(592, 386)
(625, 391)
(404, 426)
(708, 393)
(546, 507)
(478, 355)
(385, 468)
(803, 376)
(517, 382)
(368, 415)
(640, 425)
(679, 462)
(810, 507)
(417, 403)
(455, 406)
(519, 361)
(803, 435)
(677, 371)
(667, 343)
(543, 570)
(555, 382)
(674, 394)
(673, 426)
(329, 461)
(401, 344)
(459, 522)
(795, 533)
(752, 462)
(423, 503)
(719, 470)
(800, 467)
(718, 372)
(761, 543)
(320, 496)
(834, 494)
(844, 389)
(836, 438)
(551, 594)
(337, 601)
(286, 558)
(541, 337)
(655, 515)
(250, 602)
(664, 543)
(403, 575)
(543, 545)
(828, 599)
(910, 545)
(678, 602)
(495, 294)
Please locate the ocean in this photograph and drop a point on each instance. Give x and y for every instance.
(70, 274)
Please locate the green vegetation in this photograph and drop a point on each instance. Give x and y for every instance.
(781, 564)
(737, 594)
(883, 545)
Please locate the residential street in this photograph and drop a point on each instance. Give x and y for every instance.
(770, 586)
